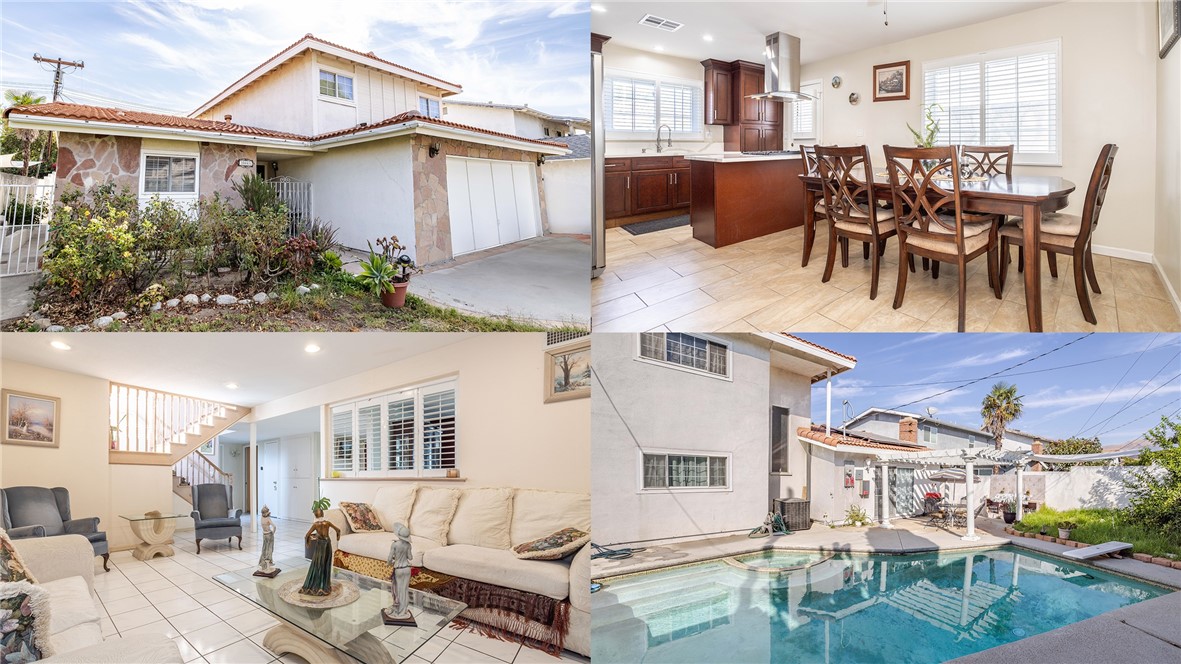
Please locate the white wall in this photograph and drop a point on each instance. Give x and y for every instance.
(1109, 50)
(1168, 171)
(507, 435)
(236, 466)
(567, 193)
(496, 119)
(1080, 487)
(281, 100)
(366, 190)
(643, 62)
(794, 392)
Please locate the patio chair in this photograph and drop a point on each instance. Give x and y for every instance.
(214, 516)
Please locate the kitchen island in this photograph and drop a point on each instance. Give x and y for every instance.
(737, 196)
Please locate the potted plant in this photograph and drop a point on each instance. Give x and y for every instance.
(1064, 528)
(930, 130)
(931, 501)
(318, 507)
(377, 274)
(855, 516)
(1008, 503)
(403, 265)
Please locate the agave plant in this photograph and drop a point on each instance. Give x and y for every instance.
(378, 273)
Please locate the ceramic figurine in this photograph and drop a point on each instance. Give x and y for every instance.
(319, 579)
(266, 561)
(399, 559)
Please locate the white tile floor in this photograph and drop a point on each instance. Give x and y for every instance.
(178, 597)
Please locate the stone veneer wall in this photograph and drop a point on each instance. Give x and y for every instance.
(220, 169)
(85, 160)
(432, 220)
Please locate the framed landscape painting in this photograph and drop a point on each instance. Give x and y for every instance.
(891, 81)
(567, 372)
(30, 419)
(1168, 13)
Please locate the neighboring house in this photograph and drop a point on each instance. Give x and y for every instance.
(361, 136)
(933, 433)
(511, 119)
(566, 182)
(695, 435)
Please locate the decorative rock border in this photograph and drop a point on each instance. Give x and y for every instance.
(1142, 557)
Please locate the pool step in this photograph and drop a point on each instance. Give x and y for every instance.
(649, 606)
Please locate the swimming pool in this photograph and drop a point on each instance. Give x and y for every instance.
(920, 608)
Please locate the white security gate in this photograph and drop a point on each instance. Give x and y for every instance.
(25, 211)
(491, 203)
(297, 196)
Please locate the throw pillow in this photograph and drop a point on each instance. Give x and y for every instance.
(24, 622)
(537, 514)
(360, 517)
(552, 547)
(12, 568)
(482, 518)
(433, 509)
(393, 504)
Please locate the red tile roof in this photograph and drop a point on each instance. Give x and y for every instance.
(836, 439)
(814, 345)
(121, 116)
(310, 37)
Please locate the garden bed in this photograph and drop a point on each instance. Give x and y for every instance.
(1095, 526)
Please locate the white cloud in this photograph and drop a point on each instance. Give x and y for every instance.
(984, 359)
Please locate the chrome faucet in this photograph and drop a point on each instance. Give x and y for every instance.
(660, 148)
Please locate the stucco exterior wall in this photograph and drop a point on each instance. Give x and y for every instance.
(565, 184)
(496, 119)
(365, 190)
(220, 169)
(85, 160)
(432, 221)
(281, 100)
(794, 392)
(667, 408)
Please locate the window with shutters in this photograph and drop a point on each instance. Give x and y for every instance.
(805, 115)
(408, 433)
(634, 104)
(999, 98)
(686, 351)
(677, 470)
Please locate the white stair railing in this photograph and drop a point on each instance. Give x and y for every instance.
(151, 421)
(196, 468)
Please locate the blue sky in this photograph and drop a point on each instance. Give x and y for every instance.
(1103, 395)
(173, 56)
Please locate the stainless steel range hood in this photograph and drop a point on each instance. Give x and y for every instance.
(782, 69)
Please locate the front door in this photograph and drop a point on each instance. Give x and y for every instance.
(269, 476)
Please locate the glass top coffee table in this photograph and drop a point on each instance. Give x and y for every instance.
(154, 530)
(346, 633)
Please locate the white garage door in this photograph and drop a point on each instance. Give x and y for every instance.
(491, 203)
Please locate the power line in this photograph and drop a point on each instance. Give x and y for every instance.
(1128, 406)
(994, 374)
(1116, 428)
(58, 65)
(1115, 385)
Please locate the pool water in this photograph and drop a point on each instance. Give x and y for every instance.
(921, 608)
(780, 559)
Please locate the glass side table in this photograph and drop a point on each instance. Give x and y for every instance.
(154, 530)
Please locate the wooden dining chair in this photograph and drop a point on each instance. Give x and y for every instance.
(846, 176)
(924, 230)
(988, 160)
(1070, 234)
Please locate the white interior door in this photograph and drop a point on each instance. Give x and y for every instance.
(491, 203)
(269, 467)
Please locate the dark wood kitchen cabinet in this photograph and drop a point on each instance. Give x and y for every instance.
(617, 195)
(719, 92)
(649, 184)
(653, 191)
(750, 125)
(682, 188)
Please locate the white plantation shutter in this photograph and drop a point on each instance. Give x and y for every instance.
(438, 430)
(681, 107)
(342, 439)
(369, 437)
(400, 423)
(999, 98)
(641, 105)
(399, 434)
(805, 115)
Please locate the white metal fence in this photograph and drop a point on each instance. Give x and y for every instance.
(25, 210)
(297, 196)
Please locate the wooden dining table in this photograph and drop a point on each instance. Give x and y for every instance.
(1027, 196)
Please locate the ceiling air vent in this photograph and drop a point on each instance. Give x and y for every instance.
(661, 23)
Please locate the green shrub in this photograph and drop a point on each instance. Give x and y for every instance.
(1155, 496)
(257, 194)
(26, 213)
(329, 262)
(258, 239)
(91, 253)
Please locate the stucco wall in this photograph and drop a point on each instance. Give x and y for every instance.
(792, 391)
(432, 221)
(1081, 486)
(85, 160)
(281, 100)
(220, 169)
(496, 119)
(566, 186)
(667, 408)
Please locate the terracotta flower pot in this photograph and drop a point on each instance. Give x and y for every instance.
(396, 299)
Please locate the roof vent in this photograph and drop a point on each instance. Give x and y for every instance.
(661, 23)
(229, 118)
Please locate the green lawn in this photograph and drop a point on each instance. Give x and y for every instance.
(1096, 526)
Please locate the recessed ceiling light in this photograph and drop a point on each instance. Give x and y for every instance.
(658, 48)
(598, 8)
(231, 386)
(707, 37)
(60, 345)
(311, 348)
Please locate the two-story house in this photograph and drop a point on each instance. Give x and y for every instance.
(514, 119)
(359, 141)
(935, 433)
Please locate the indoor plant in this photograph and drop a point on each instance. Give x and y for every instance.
(930, 129)
(1064, 528)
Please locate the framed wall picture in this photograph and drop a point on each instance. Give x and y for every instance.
(568, 372)
(1168, 13)
(30, 419)
(891, 81)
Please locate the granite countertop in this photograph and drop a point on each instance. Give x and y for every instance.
(728, 157)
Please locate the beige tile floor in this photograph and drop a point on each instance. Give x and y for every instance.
(178, 597)
(669, 281)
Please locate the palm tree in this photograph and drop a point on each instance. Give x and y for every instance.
(1001, 406)
(12, 99)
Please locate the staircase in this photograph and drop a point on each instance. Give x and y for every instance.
(150, 427)
(196, 468)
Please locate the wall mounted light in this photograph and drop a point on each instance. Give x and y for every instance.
(434, 150)
(540, 159)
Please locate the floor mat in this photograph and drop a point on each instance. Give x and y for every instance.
(644, 227)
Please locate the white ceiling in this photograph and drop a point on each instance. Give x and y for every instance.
(265, 366)
(291, 424)
(825, 29)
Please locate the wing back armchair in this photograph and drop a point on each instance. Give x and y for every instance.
(34, 511)
(213, 514)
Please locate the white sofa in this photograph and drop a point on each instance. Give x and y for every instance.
(469, 533)
(64, 567)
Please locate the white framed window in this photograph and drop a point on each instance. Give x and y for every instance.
(336, 85)
(686, 351)
(429, 107)
(408, 433)
(1002, 97)
(805, 115)
(930, 433)
(637, 103)
(169, 174)
(681, 470)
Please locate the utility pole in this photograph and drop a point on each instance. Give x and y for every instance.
(58, 64)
